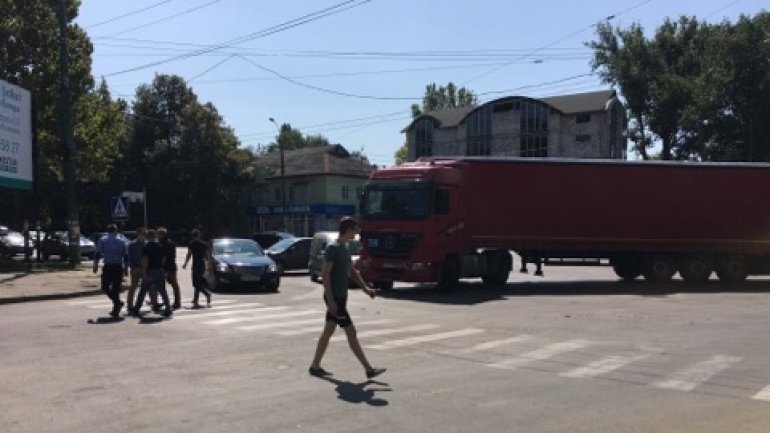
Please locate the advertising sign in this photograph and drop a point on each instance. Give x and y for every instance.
(15, 137)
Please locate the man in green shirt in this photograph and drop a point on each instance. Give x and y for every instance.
(335, 273)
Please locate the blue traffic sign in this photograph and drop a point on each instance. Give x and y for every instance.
(119, 209)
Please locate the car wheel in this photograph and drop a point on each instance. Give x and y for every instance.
(272, 285)
(313, 277)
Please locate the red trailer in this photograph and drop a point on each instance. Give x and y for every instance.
(441, 220)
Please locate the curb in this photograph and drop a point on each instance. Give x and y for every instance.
(49, 297)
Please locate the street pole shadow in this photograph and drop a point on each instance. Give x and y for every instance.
(105, 320)
(358, 392)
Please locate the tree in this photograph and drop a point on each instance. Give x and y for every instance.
(29, 57)
(186, 157)
(437, 98)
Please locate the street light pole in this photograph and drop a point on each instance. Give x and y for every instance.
(283, 177)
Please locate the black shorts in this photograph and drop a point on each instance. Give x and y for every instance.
(343, 317)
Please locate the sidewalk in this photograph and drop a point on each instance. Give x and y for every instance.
(44, 284)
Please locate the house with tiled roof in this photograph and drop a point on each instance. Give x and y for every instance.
(583, 125)
(322, 184)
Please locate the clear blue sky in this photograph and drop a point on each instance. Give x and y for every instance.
(352, 75)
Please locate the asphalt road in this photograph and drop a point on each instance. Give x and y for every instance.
(574, 351)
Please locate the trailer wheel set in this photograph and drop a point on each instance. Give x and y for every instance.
(693, 268)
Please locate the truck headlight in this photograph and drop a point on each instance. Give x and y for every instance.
(418, 266)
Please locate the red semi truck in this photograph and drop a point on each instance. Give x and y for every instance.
(441, 220)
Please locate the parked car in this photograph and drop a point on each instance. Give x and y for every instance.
(242, 262)
(290, 254)
(12, 243)
(57, 244)
(318, 247)
(268, 239)
(34, 235)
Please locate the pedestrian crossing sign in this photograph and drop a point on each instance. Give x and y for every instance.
(119, 209)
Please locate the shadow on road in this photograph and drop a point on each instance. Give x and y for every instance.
(106, 320)
(358, 392)
(469, 293)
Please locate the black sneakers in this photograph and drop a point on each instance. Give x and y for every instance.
(318, 372)
(371, 374)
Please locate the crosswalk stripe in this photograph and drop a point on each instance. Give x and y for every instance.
(605, 365)
(377, 332)
(425, 338)
(317, 329)
(217, 307)
(763, 395)
(497, 343)
(541, 354)
(692, 376)
(263, 326)
(265, 317)
(231, 312)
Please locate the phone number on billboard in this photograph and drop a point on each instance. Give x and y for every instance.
(9, 146)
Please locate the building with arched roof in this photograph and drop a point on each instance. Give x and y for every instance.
(583, 125)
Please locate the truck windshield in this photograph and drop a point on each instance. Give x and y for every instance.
(397, 200)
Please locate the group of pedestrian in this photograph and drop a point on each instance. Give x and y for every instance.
(151, 261)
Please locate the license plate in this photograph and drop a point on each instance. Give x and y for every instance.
(391, 266)
(250, 278)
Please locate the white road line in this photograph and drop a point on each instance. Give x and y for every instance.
(425, 338)
(541, 354)
(388, 331)
(216, 307)
(692, 376)
(763, 395)
(265, 317)
(231, 312)
(605, 365)
(263, 326)
(497, 343)
(317, 329)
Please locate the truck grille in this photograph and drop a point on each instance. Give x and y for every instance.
(398, 245)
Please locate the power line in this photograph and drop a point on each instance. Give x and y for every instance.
(322, 13)
(166, 18)
(219, 63)
(128, 14)
(607, 18)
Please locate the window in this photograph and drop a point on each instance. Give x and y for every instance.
(582, 138)
(583, 118)
(423, 137)
(345, 192)
(299, 193)
(441, 203)
(534, 129)
(479, 132)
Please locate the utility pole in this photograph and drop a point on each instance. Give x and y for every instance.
(283, 176)
(68, 138)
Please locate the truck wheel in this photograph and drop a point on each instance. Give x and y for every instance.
(732, 269)
(626, 267)
(660, 269)
(499, 265)
(696, 268)
(450, 273)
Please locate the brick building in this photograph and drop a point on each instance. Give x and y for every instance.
(584, 125)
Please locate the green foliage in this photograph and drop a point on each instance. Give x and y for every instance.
(699, 90)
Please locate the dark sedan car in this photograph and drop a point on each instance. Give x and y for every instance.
(57, 244)
(241, 262)
(12, 243)
(268, 239)
(290, 254)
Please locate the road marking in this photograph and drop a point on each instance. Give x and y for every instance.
(541, 354)
(231, 312)
(317, 329)
(605, 365)
(263, 326)
(763, 395)
(690, 377)
(388, 331)
(497, 343)
(425, 338)
(187, 311)
(265, 317)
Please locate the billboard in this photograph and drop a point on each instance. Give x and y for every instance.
(15, 137)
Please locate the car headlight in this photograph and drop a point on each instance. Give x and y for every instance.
(222, 267)
(272, 268)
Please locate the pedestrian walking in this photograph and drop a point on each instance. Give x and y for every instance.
(114, 252)
(335, 273)
(201, 262)
(169, 264)
(135, 248)
(152, 273)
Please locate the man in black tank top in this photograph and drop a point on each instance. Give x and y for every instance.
(201, 261)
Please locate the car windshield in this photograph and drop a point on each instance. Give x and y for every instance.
(240, 247)
(396, 200)
(282, 245)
